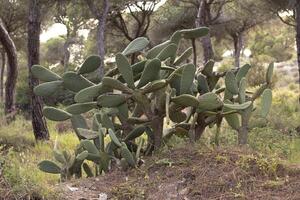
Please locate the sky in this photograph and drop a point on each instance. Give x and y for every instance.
(58, 29)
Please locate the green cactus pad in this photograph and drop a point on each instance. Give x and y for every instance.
(87, 134)
(56, 114)
(154, 86)
(114, 138)
(176, 37)
(233, 119)
(168, 52)
(186, 100)
(75, 82)
(150, 73)
(231, 83)
(49, 167)
(115, 84)
(89, 94)
(59, 157)
(106, 122)
(242, 90)
(177, 116)
(269, 73)
(90, 65)
(209, 101)
(152, 53)
(187, 78)
(87, 170)
(78, 122)
(136, 45)
(194, 33)
(125, 153)
(123, 111)
(135, 133)
(104, 159)
(208, 68)
(82, 156)
(89, 146)
(47, 89)
(125, 70)
(242, 72)
(79, 108)
(184, 56)
(111, 100)
(266, 102)
(238, 106)
(202, 84)
(44, 74)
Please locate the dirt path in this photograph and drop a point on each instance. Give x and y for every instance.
(192, 175)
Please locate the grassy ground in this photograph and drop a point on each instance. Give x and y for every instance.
(270, 138)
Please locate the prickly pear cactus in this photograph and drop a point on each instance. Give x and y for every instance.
(134, 100)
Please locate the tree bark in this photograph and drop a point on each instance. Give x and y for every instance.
(12, 71)
(3, 63)
(298, 39)
(101, 16)
(238, 45)
(39, 125)
(202, 15)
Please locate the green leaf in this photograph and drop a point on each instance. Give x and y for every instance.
(49, 167)
(82, 156)
(150, 73)
(232, 119)
(90, 64)
(80, 108)
(56, 114)
(89, 146)
(231, 83)
(115, 84)
(209, 101)
(194, 33)
(136, 45)
(89, 94)
(184, 56)
(135, 133)
(44, 74)
(114, 138)
(125, 70)
(242, 90)
(238, 106)
(208, 68)
(168, 52)
(75, 82)
(78, 122)
(242, 72)
(266, 102)
(202, 84)
(152, 53)
(187, 78)
(186, 100)
(125, 153)
(111, 100)
(47, 89)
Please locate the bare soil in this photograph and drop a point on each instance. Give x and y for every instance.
(190, 174)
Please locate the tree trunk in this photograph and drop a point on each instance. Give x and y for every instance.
(238, 45)
(39, 125)
(298, 39)
(66, 56)
(101, 16)
(12, 71)
(3, 63)
(158, 125)
(202, 15)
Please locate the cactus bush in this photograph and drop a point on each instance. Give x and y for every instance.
(132, 100)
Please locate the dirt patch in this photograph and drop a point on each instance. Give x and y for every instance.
(190, 174)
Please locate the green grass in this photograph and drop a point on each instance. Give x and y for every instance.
(21, 156)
